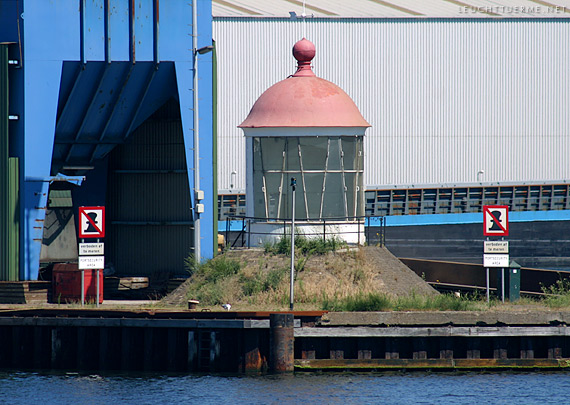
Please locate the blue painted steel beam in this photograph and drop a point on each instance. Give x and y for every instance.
(105, 31)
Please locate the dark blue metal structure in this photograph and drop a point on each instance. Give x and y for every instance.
(88, 73)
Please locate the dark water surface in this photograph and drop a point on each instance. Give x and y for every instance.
(321, 388)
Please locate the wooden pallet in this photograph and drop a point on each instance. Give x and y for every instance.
(25, 292)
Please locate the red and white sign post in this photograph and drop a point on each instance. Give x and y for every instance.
(91, 255)
(496, 223)
(495, 220)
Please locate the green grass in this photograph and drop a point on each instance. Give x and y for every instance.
(360, 302)
(558, 294)
(413, 302)
(213, 270)
(442, 302)
(261, 281)
(207, 286)
(304, 246)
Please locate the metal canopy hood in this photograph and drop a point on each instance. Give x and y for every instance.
(100, 104)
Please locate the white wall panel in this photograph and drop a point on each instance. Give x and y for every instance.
(445, 98)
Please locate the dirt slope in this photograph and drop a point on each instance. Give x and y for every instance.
(336, 274)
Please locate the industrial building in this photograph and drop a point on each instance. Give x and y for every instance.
(106, 103)
(135, 106)
(467, 102)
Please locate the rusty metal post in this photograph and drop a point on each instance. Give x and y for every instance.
(282, 353)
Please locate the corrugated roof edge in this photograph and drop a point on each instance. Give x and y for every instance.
(482, 17)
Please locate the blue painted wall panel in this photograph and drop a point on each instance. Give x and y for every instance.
(34, 194)
(9, 11)
(204, 23)
(175, 27)
(144, 30)
(119, 30)
(41, 93)
(469, 218)
(94, 30)
(51, 29)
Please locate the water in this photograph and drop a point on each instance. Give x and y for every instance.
(319, 388)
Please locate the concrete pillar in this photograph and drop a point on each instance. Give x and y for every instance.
(554, 347)
(337, 346)
(392, 348)
(474, 348)
(364, 348)
(420, 349)
(282, 338)
(445, 348)
(500, 348)
(308, 349)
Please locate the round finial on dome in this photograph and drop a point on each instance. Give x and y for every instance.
(304, 51)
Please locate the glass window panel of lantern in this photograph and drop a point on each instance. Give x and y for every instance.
(292, 153)
(258, 195)
(257, 161)
(334, 155)
(360, 182)
(313, 152)
(313, 187)
(286, 203)
(349, 179)
(273, 185)
(333, 202)
(272, 153)
(349, 150)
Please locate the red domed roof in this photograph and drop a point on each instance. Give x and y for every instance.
(304, 100)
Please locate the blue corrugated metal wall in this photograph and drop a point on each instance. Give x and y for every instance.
(90, 74)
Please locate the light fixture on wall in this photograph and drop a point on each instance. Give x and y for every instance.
(205, 49)
(480, 172)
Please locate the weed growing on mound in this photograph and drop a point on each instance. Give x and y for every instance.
(441, 302)
(210, 279)
(360, 302)
(413, 302)
(261, 281)
(558, 294)
(304, 246)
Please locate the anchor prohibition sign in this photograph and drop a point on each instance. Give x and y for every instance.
(91, 222)
(495, 220)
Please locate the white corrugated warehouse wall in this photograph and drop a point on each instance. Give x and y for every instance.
(446, 98)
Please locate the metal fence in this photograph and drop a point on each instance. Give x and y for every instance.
(368, 230)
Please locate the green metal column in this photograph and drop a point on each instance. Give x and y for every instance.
(14, 220)
(8, 183)
(215, 142)
(4, 166)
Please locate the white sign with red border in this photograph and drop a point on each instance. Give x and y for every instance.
(91, 222)
(496, 220)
